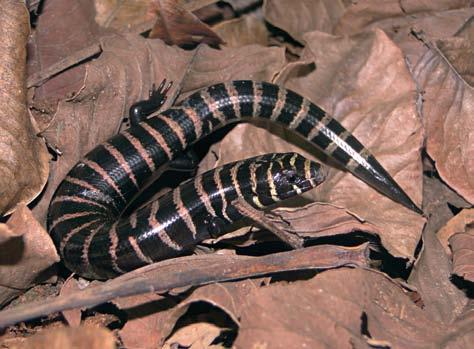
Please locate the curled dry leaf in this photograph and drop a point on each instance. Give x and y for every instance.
(458, 233)
(81, 337)
(457, 224)
(25, 258)
(462, 245)
(335, 307)
(23, 157)
(448, 115)
(177, 26)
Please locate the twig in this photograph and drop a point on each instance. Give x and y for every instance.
(191, 271)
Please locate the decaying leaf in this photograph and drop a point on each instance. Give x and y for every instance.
(175, 25)
(25, 258)
(23, 156)
(448, 116)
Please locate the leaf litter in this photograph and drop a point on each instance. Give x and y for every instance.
(396, 74)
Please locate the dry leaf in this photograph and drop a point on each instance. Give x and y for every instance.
(243, 31)
(431, 275)
(24, 259)
(457, 224)
(438, 199)
(212, 66)
(440, 19)
(318, 220)
(48, 46)
(121, 15)
(303, 16)
(72, 316)
(60, 338)
(194, 336)
(151, 318)
(462, 245)
(227, 296)
(339, 308)
(23, 157)
(177, 26)
(448, 115)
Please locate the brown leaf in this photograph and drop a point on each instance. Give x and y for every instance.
(211, 66)
(431, 275)
(434, 20)
(462, 245)
(72, 316)
(195, 336)
(317, 220)
(448, 116)
(177, 26)
(227, 296)
(303, 16)
(80, 337)
(457, 224)
(24, 259)
(48, 47)
(23, 157)
(437, 197)
(243, 31)
(122, 15)
(335, 307)
(151, 318)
